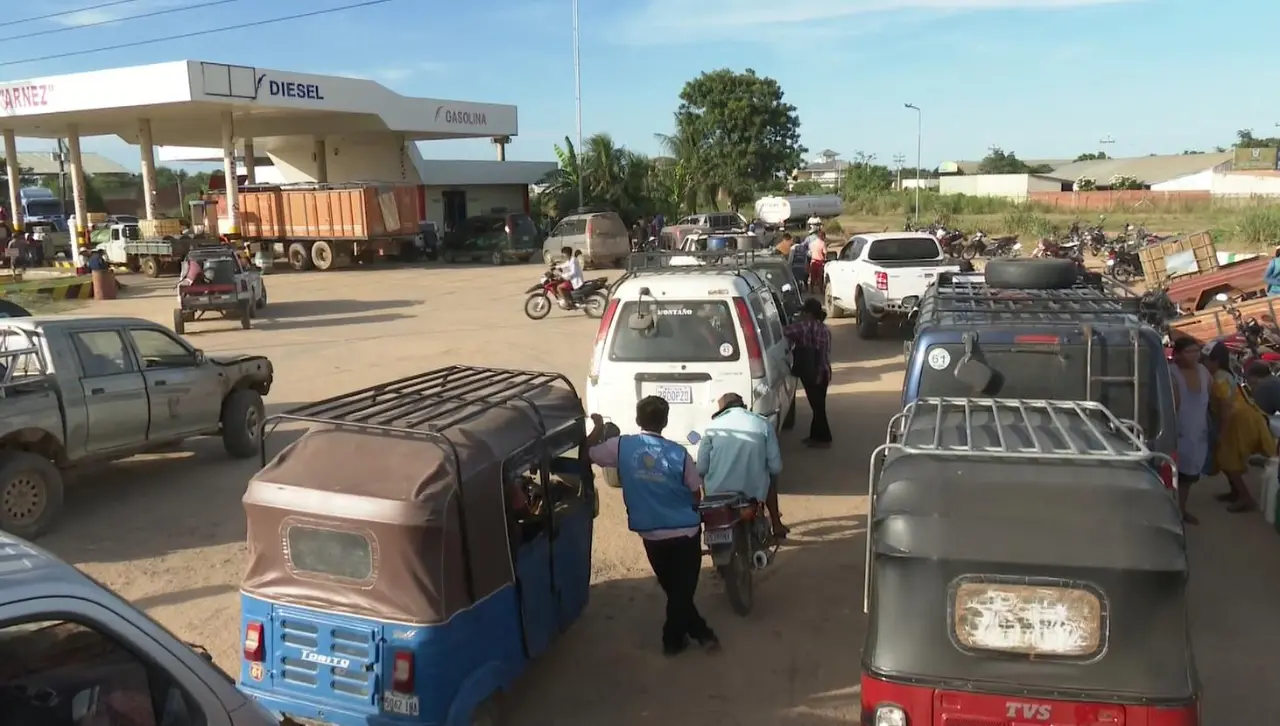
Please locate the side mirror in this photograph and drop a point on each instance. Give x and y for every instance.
(1221, 297)
(787, 287)
(200, 356)
(84, 704)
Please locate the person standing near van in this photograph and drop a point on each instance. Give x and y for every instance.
(661, 489)
(812, 356)
(817, 261)
(1191, 386)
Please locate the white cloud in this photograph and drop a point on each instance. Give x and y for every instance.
(98, 16)
(676, 21)
(395, 74)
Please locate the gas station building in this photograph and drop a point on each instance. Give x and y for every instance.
(320, 129)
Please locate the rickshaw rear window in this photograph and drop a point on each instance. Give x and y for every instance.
(329, 552)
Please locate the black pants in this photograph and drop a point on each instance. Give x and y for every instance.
(677, 562)
(816, 392)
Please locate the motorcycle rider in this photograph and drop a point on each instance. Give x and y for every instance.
(740, 453)
(570, 272)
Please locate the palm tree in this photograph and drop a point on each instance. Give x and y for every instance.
(692, 180)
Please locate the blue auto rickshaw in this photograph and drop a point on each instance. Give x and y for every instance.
(416, 548)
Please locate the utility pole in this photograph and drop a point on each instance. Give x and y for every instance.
(898, 161)
(577, 95)
(62, 176)
(1105, 142)
(919, 152)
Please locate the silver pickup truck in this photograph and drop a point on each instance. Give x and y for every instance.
(78, 390)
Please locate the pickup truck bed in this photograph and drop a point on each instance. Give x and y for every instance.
(1239, 279)
(1214, 322)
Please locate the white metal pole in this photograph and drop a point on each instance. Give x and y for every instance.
(577, 97)
(919, 148)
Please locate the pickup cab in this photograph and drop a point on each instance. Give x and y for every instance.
(881, 277)
(79, 390)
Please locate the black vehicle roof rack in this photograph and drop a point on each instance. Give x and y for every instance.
(426, 403)
(1024, 429)
(672, 261)
(970, 294)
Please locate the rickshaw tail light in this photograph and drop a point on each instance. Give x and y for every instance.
(1033, 620)
(253, 645)
(402, 672)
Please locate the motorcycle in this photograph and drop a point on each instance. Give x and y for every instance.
(739, 539)
(591, 298)
(1251, 341)
(980, 245)
(1096, 237)
(1123, 263)
(952, 241)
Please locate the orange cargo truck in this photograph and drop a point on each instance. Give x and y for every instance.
(325, 226)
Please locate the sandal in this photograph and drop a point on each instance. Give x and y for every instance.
(780, 531)
(1239, 507)
(1230, 496)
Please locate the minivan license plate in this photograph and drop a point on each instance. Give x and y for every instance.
(676, 394)
(401, 704)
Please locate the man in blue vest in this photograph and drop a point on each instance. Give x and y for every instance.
(661, 488)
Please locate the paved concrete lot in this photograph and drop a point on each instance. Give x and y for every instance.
(167, 530)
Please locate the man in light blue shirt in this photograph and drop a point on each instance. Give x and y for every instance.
(740, 453)
(1272, 275)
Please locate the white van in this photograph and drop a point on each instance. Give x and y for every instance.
(690, 335)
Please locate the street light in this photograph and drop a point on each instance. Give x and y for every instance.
(577, 97)
(919, 147)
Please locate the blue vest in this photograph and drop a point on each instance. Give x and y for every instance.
(652, 473)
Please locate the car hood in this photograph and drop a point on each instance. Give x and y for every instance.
(231, 359)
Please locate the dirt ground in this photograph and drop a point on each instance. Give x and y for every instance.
(167, 531)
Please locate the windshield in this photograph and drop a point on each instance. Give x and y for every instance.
(43, 208)
(903, 250)
(697, 331)
(776, 274)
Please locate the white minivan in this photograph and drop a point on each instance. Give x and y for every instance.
(690, 335)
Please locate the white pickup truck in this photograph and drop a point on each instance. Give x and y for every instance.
(881, 277)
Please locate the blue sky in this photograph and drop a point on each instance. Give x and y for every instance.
(1044, 78)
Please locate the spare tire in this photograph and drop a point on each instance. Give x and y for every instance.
(1031, 274)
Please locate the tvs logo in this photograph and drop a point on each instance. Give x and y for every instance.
(454, 117)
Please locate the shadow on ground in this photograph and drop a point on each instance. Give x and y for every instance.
(794, 659)
(306, 323)
(317, 308)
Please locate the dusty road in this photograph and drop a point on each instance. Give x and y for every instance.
(167, 531)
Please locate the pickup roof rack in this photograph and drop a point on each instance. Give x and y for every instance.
(737, 263)
(17, 344)
(1010, 430)
(968, 299)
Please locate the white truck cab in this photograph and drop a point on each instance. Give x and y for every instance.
(881, 277)
(690, 335)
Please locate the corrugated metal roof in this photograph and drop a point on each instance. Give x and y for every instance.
(46, 162)
(1146, 169)
(971, 167)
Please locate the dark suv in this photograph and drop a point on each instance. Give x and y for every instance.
(495, 238)
(1063, 341)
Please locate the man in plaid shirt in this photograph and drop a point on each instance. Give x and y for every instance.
(812, 340)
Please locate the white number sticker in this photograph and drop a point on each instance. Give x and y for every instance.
(939, 359)
(726, 350)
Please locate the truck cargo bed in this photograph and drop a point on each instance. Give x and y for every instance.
(357, 212)
(1214, 322)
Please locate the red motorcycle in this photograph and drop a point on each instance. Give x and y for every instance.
(1251, 342)
(591, 298)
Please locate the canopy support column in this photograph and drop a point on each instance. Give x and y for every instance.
(15, 182)
(322, 161)
(148, 151)
(250, 165)
(80, 226)
(229, 169)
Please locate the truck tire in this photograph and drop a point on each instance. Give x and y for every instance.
(611, 478)
(242, 416)
(179, 322)
(834, 311)
(1031, 274)
(151, 266)
(30, 494)
(299, 256)
(246, 314)
(868, 326)
(322, 257)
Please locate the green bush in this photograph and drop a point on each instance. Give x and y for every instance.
(1023, 219)
(932, 204)
(833, 226)
(1258, 226)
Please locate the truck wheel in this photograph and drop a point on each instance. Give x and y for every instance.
(868, 326)
(612, 479)
(322, 255)
(299, 257)
(834, 311)
(242, 416)
(179, 322)
(789, 421)
(30, 494)
(262, 301)
(246, 314)
(497, 258)
(150, 266)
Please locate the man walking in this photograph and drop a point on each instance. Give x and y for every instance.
(661, 489)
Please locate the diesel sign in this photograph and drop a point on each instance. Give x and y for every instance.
(454, 117)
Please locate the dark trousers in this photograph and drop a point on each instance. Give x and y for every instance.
(677, 562)
(816, 392)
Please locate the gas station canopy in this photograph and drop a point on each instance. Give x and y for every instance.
(186, 100)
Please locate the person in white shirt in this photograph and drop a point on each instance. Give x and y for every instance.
(570, 272)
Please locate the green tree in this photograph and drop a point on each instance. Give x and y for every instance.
(1000, 162)
(612, 176)
(747, 134)
(25, 176)
(1246, 140)
(864, 177)
(1093, 156)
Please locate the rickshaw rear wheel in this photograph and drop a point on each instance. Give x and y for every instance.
(611, 478)
(738, 583)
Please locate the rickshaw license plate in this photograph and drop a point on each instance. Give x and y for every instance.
(675, 394)
(718, 536)
(399, 703)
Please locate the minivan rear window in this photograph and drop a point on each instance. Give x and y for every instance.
(336, 553)
(902, 250)
(695, 331)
